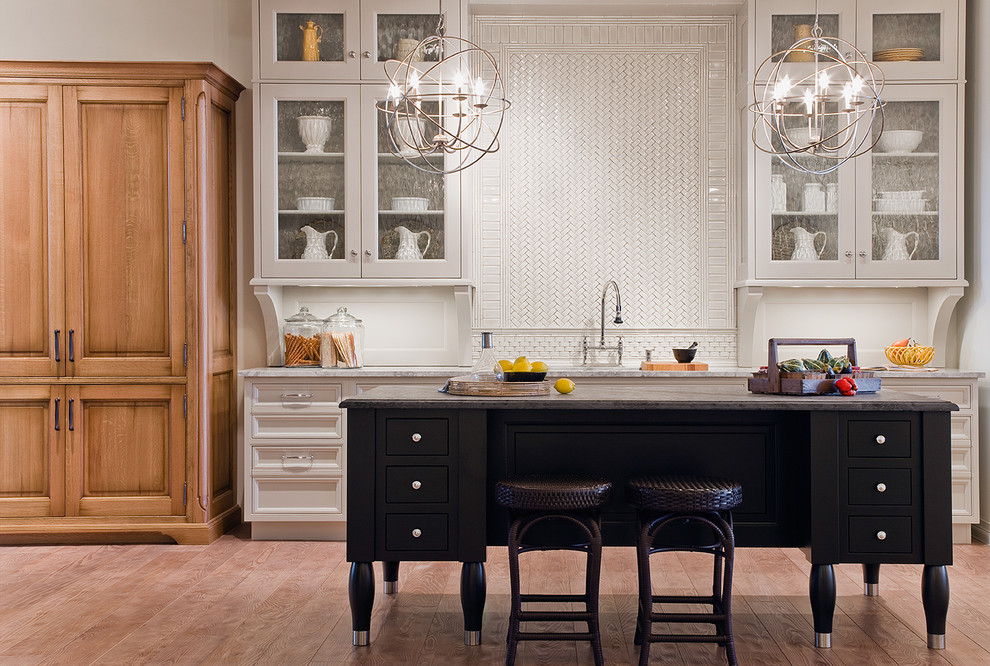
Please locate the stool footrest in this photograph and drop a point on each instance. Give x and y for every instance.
(555, 616)
(682, 599)
(536, 598)
(688, 617)
(688, 638)
(534, 636)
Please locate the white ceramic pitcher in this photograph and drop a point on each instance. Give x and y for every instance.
(409, 244)
(805, 244)
(316, 243)
(895, 245)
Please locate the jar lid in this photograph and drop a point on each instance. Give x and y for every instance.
(302, 317)
(342, 318)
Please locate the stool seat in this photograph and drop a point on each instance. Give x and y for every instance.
(553, 493)
(683, 493)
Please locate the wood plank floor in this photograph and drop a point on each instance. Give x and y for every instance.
(239, 601)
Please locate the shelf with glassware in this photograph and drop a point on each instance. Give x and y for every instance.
(302, 40)
(890, 214)
(910, 39)
(336, 203)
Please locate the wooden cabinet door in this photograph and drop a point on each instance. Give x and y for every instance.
(124, 255)
(32, 425)
(125, 450)
(31, 296)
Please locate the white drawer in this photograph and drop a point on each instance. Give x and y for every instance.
(962, 459)
(294, 397)
(285, 460)
(296, 426)
(961, 427)
(962, 497)
(961, 394)
(298, 496)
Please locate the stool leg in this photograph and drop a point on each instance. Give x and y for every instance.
(515, 602)
(728, 553)
(644, 624)
(593, 572)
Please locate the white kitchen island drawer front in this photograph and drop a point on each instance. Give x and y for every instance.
(297, 498)
(961, 460)
(266, 427)
(292, 397)
(283, 460)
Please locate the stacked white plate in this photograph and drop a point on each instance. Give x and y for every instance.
(903, 201)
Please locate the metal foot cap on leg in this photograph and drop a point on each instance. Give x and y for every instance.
(936, 641)
(472, 637)
(823, 640)
(361, 638)
(872, 589)
(391, 587)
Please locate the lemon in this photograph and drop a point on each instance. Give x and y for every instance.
(521, 365)
(505, 364)
(563, 385)
(540, 366)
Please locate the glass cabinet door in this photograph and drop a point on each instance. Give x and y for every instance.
(392, 28)
(410, 217)
(908, 187)
(310, 185)
(781, 23)
(910, 39)
(305, 39)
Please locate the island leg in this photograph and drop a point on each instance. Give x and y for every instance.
(361, 590)
(473, 590)
(935, 599)
(391, 577)
(871, 580)
(822, 589)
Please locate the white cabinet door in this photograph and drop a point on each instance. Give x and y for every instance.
(309, 40)
(910, 39)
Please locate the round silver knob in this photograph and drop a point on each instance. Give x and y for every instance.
(354, 253)
(418, 533)
(881, 487)
(881, 439)
(862, 253)
(849, 253)
(352, 54)
(366, 54)
(881, 535)
(367, 253)
(416, 485)
(416, 437)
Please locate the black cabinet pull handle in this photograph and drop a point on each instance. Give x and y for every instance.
(71, 427)
(57, 427)
(72, 354)
(58, 356)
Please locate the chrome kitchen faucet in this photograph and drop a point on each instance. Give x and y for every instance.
(618, 320)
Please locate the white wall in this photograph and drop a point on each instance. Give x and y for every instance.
(974, 309)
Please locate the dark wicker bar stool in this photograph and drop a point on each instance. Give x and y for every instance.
(661, 501)
(576, 501)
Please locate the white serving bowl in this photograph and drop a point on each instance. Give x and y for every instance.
(320, 204)
(410, 204)
(899, 141)
(900, 205)
(903, 194)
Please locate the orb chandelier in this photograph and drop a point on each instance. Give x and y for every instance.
(439, 117)
(826, 114)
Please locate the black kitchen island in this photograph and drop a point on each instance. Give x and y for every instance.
(863, 479)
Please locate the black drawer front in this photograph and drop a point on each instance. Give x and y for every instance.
(401, 531)
(411, 437)
(880, 439)
(865, 532)
(880, 487)
(415, 484)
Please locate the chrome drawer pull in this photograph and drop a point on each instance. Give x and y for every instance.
(881, 535)
(416, 437)
(417, 533)
(881, 487)
(309, 458)
(416, 485)
(297, 396)
(881, 439)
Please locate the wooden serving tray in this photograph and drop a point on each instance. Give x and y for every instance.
(671, 366)
(461, 387)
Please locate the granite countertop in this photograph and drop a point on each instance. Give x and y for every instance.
(572, 371)
(647, 397)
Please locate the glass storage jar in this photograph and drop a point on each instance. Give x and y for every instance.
(342, 341)
(301, 333)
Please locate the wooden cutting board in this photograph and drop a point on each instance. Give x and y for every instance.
(671, 366)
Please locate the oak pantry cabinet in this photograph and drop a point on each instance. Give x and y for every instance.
(117, 304)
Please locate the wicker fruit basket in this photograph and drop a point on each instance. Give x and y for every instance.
(915, 356)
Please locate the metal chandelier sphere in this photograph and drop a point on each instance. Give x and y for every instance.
(440, 118)
(823, 117)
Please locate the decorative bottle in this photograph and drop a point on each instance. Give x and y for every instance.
(778, 193)
(486, 368)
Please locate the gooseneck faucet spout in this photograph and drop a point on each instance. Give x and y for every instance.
(618, 308)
